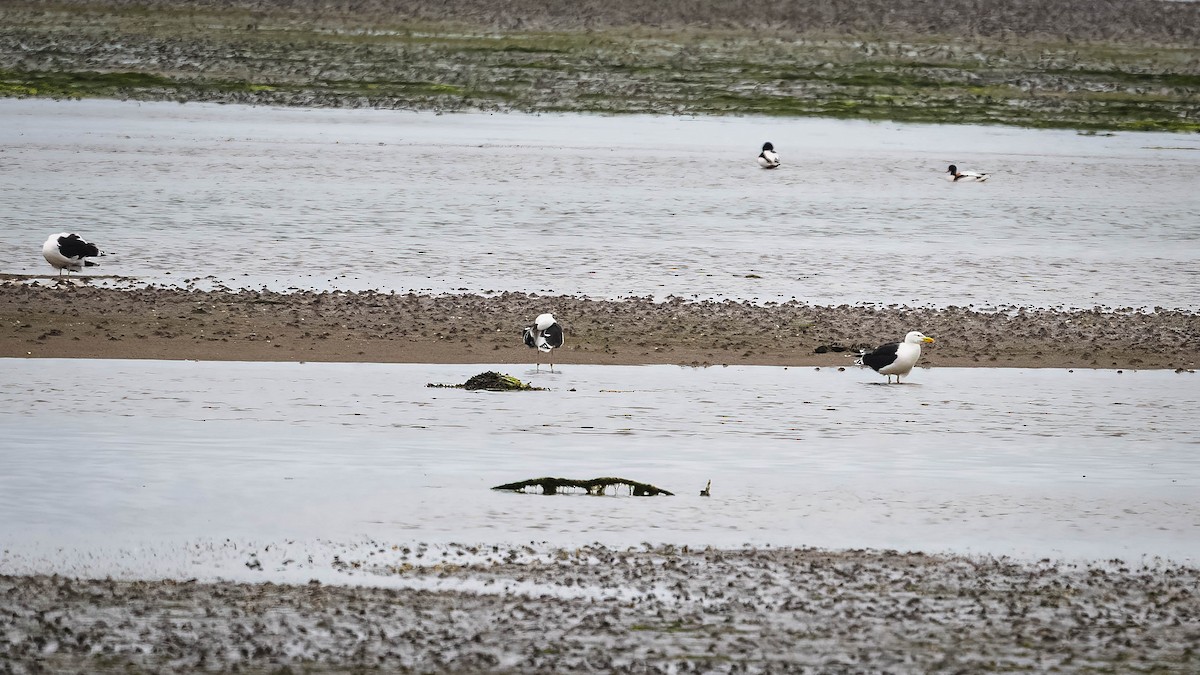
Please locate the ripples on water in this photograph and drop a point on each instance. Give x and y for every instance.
(604, 206)
(1026, 462)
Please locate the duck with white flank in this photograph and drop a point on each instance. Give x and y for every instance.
(768, 158)
(68, 251)
(957, 175)
(895, 358)
(545, 334)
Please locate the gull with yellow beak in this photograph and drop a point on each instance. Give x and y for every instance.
(895, 358)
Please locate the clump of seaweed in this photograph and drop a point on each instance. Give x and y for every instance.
(594, 486)
(491, 381)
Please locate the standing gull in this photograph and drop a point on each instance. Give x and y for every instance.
(768, 158)
(895, 358)
(68, 251)
(545, 334)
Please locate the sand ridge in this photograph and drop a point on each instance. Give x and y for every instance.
(77, 320)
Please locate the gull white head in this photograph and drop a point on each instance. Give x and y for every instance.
(916, 337)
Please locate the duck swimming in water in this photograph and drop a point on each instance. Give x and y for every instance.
(768, 158)
(966, 175)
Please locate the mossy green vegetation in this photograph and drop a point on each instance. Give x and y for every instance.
(491, 381)
(164, 52)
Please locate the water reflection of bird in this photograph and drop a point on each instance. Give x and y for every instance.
(895, 358)
(544, 335)
(966, 175)
(68, 251)
(768, 158)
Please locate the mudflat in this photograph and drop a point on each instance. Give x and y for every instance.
(1075, 64)
(593, 609)
(72, 320)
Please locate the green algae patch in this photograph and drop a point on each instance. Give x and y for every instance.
(490, 381)
(93, 84)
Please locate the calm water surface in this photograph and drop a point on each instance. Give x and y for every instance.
(604, 206)
(153, 457)
(100, 455)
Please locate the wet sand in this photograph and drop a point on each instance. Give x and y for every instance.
(76, 320)
(607, 610)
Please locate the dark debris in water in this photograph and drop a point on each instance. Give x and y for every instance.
(594, 486)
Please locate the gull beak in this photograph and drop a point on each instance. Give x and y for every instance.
(927, 339)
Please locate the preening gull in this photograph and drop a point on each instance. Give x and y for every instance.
(768, 158)
(544, 335)
(895, 358)
(68, 251)
(957, 175)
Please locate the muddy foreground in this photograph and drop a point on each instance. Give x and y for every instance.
(81, 321)
(603, 610)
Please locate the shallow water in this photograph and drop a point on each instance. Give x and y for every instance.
(152, 457)
(604, 206)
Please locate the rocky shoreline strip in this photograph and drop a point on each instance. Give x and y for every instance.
(599, 609)
(81, 321)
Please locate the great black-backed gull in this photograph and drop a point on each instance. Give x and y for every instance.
(957, 175)
(768, 158)
(895, 358)
(68, 251)
(544, 335)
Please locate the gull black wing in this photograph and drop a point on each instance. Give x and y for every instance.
(883, 356)
(554, 336)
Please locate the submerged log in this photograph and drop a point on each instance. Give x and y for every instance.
(595, 486)
(490, 381)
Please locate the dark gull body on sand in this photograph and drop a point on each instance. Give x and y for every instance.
(544, 335)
